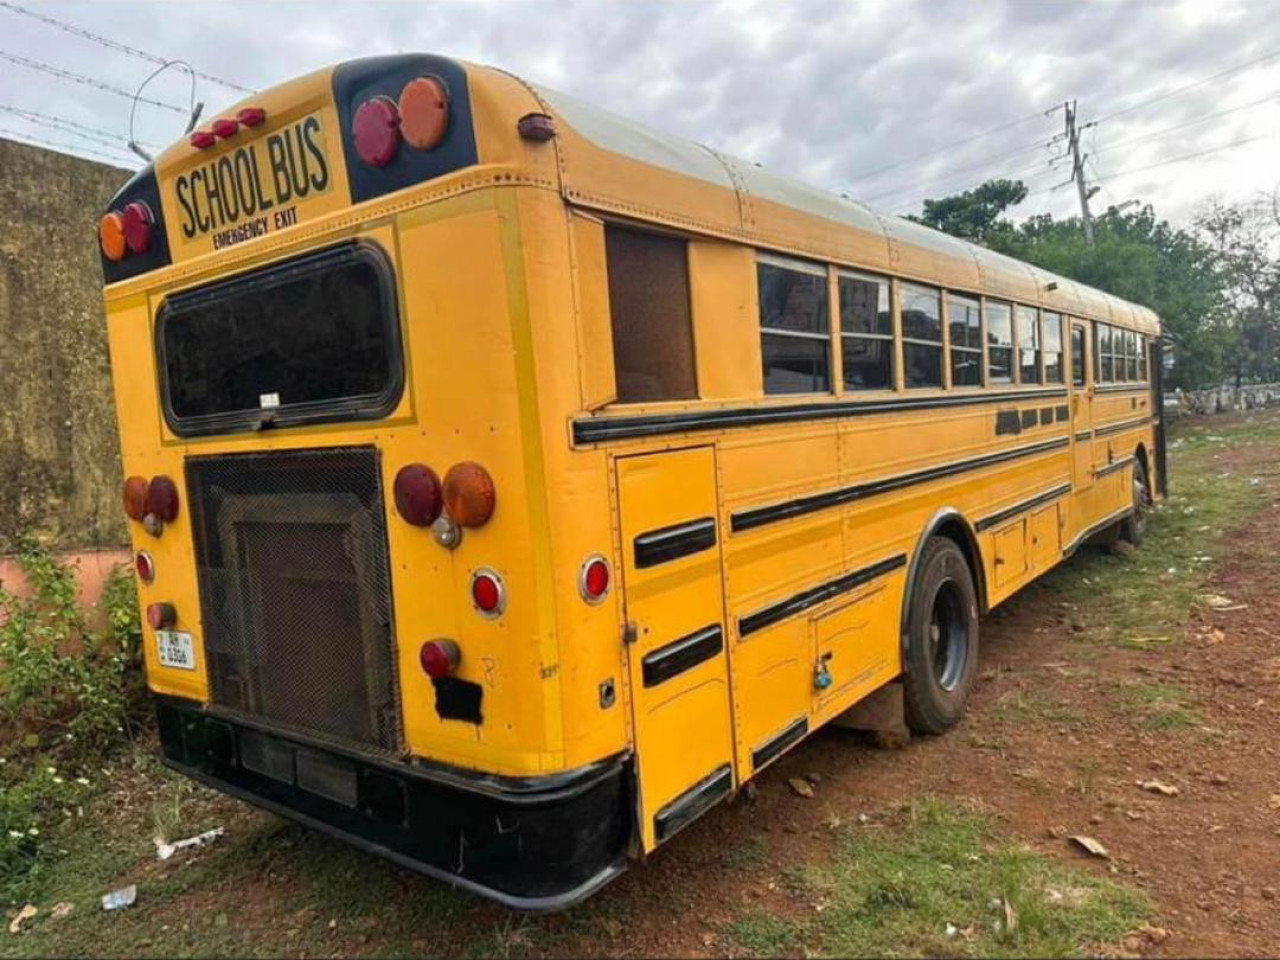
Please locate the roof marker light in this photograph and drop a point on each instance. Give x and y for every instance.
(251, 116)
(202, 139)
(225, 128)
(537, 127)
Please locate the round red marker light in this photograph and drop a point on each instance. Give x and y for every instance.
(488, 593)
(593, 581)
(138, 219)
(377, 131)
(225, 128)
(202, 139)
(251, 116)
(145, 567)
(417, 494)
(439, 658)
(161, 616)
(162, 499)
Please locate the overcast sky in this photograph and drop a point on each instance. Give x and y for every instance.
(889, 101)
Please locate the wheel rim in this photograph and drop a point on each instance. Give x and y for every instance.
(948, 636)
(1141, 498)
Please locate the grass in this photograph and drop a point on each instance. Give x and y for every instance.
(1162, 707)
(1145, 600)
(938, 885)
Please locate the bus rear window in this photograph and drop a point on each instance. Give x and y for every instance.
(315, 339)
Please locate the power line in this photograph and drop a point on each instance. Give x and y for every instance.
(1190, 86)
(913, 188)
(19, 137)
(88, 81)
(946, 146)
(1173, 160)
(70, 126)
(114, 44)
(1269, 98)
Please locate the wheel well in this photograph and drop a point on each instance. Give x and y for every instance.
(949, 524)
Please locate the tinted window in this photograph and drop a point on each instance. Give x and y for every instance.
(1028, 344)
(999, 342)
(314, 339)
(921, 335)
(653, 355)
(1052, 348)
(964, 321)
(1077, 355)
(795, 329)
(866, 337)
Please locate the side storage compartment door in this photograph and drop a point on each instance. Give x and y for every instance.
(678, 667)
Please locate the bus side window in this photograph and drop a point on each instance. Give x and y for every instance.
(921, 335)
(999, 342)
(649, 308)
(795, 327)
(1077, 355)
(1052, 347)
(1028, 344)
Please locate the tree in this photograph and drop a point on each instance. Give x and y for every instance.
(1137, 256)
(975, 214)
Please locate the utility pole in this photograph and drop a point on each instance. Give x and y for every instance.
(1077, 168)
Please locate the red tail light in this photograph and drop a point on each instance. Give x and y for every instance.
(251, 116)
(162, 499)
(161, 616)
(469, 494)
(145, 566)
(135, 498)
(225, 128)
(593, 581)
(202, 139)
(417, 494)
(439, 658)
(138, 221)
(377, 131)
(488, 593)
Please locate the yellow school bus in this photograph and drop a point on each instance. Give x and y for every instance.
(510, 484)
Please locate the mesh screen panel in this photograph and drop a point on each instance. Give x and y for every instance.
(295, 590)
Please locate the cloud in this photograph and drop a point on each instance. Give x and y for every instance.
(825, 91)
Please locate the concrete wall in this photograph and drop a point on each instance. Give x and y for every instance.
(59, 459)
(1227, 398)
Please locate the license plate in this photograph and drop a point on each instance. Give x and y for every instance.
(176, 649)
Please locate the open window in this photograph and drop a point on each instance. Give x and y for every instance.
(653, 352)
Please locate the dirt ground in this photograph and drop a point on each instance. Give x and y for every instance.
(1113, 672)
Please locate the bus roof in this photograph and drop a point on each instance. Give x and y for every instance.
(617, 165)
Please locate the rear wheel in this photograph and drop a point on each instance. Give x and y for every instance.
(1134, 527)
(942, 639)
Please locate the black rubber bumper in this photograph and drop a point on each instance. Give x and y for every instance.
(537, 843)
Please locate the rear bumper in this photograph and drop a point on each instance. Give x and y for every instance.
(536, 843)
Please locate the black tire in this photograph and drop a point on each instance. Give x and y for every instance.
(941, 651)
(1134, 527)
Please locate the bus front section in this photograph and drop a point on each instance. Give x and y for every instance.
(333, 429)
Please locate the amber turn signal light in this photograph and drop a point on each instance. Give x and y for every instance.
(135, 498)
(469, 494)
(424, 113)
(111, 235)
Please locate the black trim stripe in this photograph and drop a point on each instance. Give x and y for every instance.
(986, 523)
(599, 429)
(1102, 524)
(680, 655)
(691, 804)
(773, 748)
(816, 595)
(759, 516)
(674, 542)
(1084, 435)
(1114, 466)
(1122, 388)
(1121, 427)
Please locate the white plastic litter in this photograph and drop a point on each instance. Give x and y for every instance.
(166, 850)
(119, 899)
